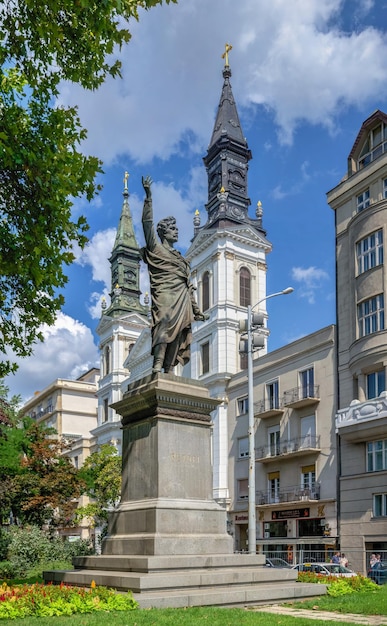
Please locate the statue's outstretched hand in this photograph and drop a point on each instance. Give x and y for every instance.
(146, 183)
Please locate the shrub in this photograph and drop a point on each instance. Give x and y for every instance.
(4, 543)
(29, 547)
(7, 570)
(338, 585)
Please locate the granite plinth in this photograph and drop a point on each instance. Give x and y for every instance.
(167, 540)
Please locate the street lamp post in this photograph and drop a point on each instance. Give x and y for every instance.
(250, 399)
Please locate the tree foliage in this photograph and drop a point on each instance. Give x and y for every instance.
(45, 489)
(42, 169)
(101, 473)
(39, 483)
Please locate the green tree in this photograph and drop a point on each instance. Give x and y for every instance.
(10, 447)
(101, 473)
(42, 169)
(45, 489)
(39, 483)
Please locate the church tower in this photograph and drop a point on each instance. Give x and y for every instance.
(121, 323)
(228, 264)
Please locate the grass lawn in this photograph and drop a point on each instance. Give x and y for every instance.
(196, 616)
(369, 603)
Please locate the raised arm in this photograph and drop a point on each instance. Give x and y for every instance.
(147, 215)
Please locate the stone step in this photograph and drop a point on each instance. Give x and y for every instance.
(243, 595)
(152, 563)
(174, 579)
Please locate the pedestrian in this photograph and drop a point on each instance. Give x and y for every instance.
(336, 557)
(343, 560)
(373, 559)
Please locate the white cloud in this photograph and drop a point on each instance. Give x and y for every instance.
(279, 193)
(67, 351)
(310, 280)
(96, 254)
(287, 56)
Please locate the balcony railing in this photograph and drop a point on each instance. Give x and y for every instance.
(302, 396)
(289, 494)
(41, 412)
(268, 408)
(289, 446)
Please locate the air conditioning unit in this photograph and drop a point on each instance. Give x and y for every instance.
(267, 534)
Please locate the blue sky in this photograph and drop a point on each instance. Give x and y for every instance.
(305, 75)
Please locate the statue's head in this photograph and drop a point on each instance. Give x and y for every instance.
(164, 227)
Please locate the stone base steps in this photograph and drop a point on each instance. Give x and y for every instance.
(236, 595)
(163, 587)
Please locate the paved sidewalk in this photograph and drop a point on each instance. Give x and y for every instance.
(367, 620)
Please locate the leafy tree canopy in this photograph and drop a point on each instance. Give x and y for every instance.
(42, 169)
(38, 483)
(101, 473)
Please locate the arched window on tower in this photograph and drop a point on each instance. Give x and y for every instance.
(206, 291)
(107, 360)
(244, 287)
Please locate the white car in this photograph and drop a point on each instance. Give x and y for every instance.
(327, 569)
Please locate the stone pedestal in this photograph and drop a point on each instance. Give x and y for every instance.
(166, 501)
(167, 540)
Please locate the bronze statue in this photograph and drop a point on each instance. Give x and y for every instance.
(173, 305)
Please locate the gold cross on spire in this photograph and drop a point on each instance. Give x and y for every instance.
(126, 176)
(227, 49)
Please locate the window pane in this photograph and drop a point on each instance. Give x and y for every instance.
(244, 447)
(378, 505)
(244, 287)
(206, 291)
(205, 348)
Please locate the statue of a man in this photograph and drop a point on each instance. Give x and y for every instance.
(173, 304)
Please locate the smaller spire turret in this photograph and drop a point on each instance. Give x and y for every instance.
(125, 265)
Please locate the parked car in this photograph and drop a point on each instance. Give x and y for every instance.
(327, 569)
(378, 572)
(276, 562)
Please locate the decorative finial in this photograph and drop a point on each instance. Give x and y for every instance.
(117, 290)
(126, 176)
(103, 303)
(222, 195)
(196, 219)
(227, 49)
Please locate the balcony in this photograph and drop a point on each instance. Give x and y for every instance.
(289, 448)
(269, 408)
(289, 494)
(362, 421)
(302, 396)
(41, 412)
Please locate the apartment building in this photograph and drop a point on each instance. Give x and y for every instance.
(295, 449)
(360, 205)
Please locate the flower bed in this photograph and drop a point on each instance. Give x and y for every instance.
(49, 600)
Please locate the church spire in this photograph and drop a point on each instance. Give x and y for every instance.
(227, 161)
(227, 119)
(125, 265)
